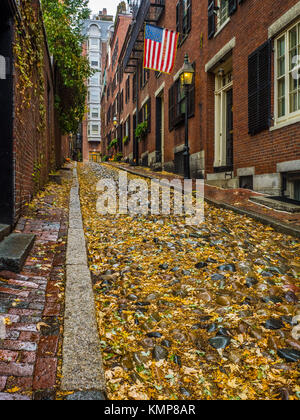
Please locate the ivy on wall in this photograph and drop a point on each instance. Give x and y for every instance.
(63, 22)
(28, 49)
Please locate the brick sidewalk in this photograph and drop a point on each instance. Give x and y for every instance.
(235, 199)
(32, 304)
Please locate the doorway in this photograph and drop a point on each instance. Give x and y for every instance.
(6, 118)
(297, 190)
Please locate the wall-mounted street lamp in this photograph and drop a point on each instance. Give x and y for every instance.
(186, 76)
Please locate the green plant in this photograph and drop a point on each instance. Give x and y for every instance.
(63, 23)
(112, 144)
(125, 140)
(105, 158)
(141, 131)
(118, 157)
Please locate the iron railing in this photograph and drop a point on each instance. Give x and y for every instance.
(140, 10)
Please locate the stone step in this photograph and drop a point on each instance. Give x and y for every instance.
(276, 204)
(4, 231)
(14, 250)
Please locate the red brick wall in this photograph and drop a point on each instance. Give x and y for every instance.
(119, 36)
(36, 152)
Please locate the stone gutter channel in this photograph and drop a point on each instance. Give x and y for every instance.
(82, 368)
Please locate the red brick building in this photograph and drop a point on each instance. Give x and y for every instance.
(31, 144)
(244, 104)
(115, 98)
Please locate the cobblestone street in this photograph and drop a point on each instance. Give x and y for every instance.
(182, 312)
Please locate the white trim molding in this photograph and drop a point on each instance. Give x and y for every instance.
(145, 101)
(160, 89)
(246, 171)
(284, 20)
(289, 166)
(220, 54)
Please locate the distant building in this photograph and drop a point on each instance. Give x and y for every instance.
(98, 31)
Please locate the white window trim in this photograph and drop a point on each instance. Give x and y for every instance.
(289, 118)
(220, 122)
(219, 27)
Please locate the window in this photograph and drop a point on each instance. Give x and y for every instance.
(184, 17)
(95, 79)
(127, 129)
(115, 53)
(94, 43)
(94, 60)
(219, 13)
(94, 130)
(127, 90)
(177, 103)
(94, 112)
(94, 95)
(287, 90)
(121, 102)
(145, 114)
(144, 76)
(223, 13)
(134, 92)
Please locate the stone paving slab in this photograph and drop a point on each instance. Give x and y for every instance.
(14, 250)
(82, 367)
(86, 396)
(76, 250)
(4, 231)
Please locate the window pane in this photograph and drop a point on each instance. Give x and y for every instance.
(293, 47)
(293, 83)
(293, 102)
(293, 38)
(281, 47)
(223, 12)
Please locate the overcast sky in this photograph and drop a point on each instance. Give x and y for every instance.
(110, 5)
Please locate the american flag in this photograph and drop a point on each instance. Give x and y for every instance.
(160, 49)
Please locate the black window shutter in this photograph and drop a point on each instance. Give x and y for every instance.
(171, 107)
(232, 6)
(211, 19)
(129, 129)
(141, 116)
(149, 116)
(189, 15)
(259, 88)
(178, 16)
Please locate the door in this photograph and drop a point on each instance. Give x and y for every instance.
(229, 129)
(6, 118)
(159, 129)
(297, 190)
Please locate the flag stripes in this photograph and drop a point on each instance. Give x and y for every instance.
(160, 49)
